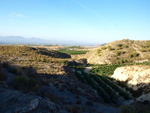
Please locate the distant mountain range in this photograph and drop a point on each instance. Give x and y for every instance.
(37, 41)
(21, 40)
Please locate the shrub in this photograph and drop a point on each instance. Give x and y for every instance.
(2, 74)
(119, 48)
(109, 48)
(6, 65)
(66, 63)
(148, 49)
(119, 45)
(14, 69)
(103, 48)
(130, 55)
(142, 50)
(136, 108)
(125, 46)
(148, 43)
(98, 51)
(25, 84)
(118, 53)
(132, 41)
(134, 54)
(121, 61)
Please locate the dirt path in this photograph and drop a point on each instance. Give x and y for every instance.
(87, 69)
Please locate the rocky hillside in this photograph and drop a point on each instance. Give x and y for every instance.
(136, 77)
(22, 91)
(41, 59)
(121, 51)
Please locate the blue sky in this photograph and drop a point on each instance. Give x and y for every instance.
(94, 21)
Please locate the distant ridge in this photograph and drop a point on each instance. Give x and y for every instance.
(37, 41)
(21, 40)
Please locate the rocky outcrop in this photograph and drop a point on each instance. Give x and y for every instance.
(13, 101)
(137, 77)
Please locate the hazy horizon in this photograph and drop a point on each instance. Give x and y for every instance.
(97, 21)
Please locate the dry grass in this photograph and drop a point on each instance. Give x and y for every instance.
(43, 60)
(125, 50)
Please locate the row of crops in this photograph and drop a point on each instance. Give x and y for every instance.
(104, 70)
(106, 89)
(108, 69)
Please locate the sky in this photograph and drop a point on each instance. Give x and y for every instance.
(91, 21)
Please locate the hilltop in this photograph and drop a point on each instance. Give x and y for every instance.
(121, 51)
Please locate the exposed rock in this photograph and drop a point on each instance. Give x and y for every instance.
(137, 77)
(16, 102)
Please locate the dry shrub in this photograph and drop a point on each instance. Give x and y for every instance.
(3, 76)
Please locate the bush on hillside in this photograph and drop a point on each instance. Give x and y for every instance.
(122, 61)
(119, 45)
(98, 51)
(148, 43)
(136, 108)
(104, 48)
(142, 50)
(2, 74)
(25, 84)
(110, 48)
(125, 46)
(118, 53)
(134, 54)
(148, 49)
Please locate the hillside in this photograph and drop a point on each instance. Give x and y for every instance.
(42, 80)
(121, 51)
(43, 60)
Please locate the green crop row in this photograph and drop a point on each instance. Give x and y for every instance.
(109, 91)
(115, 87)
(79, 76)
(96, 87)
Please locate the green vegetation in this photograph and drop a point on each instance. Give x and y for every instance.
(119, 45)
(133, 55)
(72, 52)
(98, 51)
(118, 53)
(148, 44)
(104, 48)
(104, 85)
(122, 61)
(110, 48)
(148, 49)
(25, 83)
(142, 50)
(2, 74)
(135, 108)
(80, 77)
(96, 87)
(115, 87)
(103, 71)
(125, 46)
